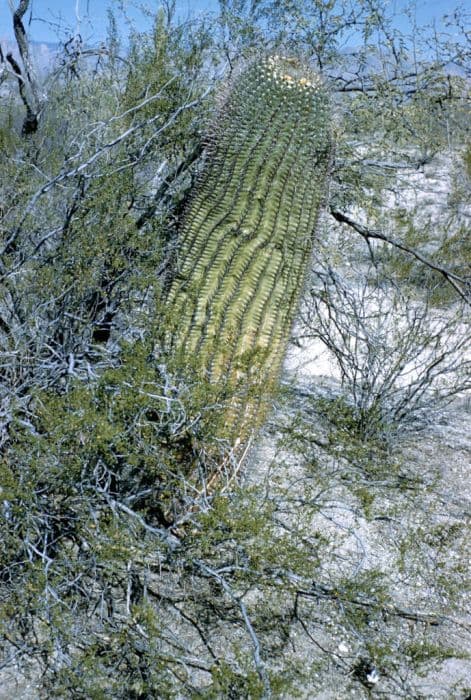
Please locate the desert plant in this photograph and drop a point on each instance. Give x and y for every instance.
(247, 235)
(120, 576)
(398, 357)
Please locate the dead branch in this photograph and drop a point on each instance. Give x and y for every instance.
(462, 286)
(321, 591)
(26, 80)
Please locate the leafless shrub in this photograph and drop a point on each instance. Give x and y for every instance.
(398, 356)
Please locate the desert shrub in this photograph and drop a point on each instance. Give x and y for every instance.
(398, 356)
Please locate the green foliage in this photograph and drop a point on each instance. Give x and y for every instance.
(467, 160)
(353, 423)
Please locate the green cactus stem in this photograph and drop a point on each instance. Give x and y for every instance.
(247, 236)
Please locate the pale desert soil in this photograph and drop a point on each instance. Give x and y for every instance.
(440, 455)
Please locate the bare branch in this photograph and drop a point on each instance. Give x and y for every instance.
(27, 83)
(259, 663)
(460, 284)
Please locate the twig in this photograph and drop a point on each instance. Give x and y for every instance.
(320, 591)
(458, 283)
(259, 663)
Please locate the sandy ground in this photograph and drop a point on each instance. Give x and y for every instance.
(441, 454)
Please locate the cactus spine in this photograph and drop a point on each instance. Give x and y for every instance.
(247, 236)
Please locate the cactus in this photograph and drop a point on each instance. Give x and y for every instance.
(246, 237)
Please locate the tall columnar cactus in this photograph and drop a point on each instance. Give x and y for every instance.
(247, 235)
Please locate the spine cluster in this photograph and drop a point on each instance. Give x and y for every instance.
(247, 236)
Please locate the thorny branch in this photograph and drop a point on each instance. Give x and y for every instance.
(461, 285)
(258, 661)
(84, 166)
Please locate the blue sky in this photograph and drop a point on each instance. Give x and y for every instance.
(51, 16)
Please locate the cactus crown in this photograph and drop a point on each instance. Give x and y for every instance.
(247, 235)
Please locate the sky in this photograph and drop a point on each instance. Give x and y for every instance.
(49, 19)
(52, 18)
